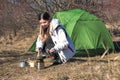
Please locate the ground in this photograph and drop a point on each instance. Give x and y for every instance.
(77, 68)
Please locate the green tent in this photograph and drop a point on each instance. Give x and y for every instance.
(87, 32)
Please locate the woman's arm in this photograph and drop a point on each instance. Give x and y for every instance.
(62, 37)
(39, 43)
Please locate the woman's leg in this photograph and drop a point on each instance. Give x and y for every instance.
(47, 46)
(57, 59)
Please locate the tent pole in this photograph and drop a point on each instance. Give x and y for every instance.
(104, 53)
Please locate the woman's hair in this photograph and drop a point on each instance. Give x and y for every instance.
(44, 33)
(44, 16)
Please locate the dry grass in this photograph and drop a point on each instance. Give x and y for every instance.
(78, 68)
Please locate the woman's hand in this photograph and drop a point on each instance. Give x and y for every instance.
(51, 50)
(38, 49)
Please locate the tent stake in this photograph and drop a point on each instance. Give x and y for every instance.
(104, 53)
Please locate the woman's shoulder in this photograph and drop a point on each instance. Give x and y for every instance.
(55, 20)
(54, 23)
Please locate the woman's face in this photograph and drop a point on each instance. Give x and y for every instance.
(44, 23)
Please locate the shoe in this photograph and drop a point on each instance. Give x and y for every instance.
(56, 62)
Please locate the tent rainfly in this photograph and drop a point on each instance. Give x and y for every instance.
(88, 33)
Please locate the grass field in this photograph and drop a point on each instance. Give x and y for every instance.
(77, 68)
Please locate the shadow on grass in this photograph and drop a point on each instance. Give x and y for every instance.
(14, 56)
(84, 60)
(117, 45)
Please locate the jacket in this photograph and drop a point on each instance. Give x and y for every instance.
(63, 44)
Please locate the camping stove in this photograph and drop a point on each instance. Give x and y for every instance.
(40, 61)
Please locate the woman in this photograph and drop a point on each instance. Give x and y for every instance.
(63, 48)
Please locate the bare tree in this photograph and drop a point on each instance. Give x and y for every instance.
(20, 16)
